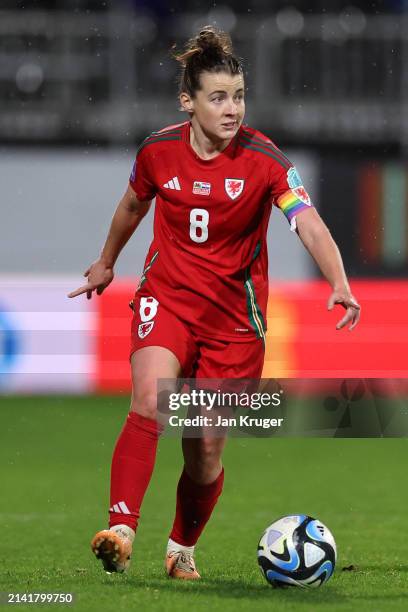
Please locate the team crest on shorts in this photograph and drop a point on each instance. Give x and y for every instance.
(296, 185)
(234, 187)
(144, 329)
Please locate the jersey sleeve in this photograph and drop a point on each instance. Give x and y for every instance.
(287, 192)
(141, 179)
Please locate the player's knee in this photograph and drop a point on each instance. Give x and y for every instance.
(145, 404)
(208, 455)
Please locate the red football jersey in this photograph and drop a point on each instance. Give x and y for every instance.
(208, 260)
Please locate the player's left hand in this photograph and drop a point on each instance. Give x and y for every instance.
(351, 305)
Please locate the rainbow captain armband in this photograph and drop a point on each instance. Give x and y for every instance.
(133, 173)
(294, 199)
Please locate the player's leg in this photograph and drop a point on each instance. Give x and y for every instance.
(135, 451)
(134, 456)
(159, 355)
(200, 485)
(201, 481)
(198, 490)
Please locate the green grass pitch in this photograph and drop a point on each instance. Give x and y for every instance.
(55, 461)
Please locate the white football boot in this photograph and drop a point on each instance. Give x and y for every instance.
(179, 562)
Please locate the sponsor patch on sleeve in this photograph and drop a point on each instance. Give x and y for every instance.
(296, 185)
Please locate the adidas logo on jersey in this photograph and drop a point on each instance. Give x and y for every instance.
(173, 184)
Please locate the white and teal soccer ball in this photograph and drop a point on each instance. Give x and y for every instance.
(297, 550)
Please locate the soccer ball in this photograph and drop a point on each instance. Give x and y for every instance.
(297, 550)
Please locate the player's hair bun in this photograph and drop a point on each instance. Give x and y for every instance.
(210, 50)
(216, 40)
(208, 40)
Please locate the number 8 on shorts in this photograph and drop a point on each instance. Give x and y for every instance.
(148, 308)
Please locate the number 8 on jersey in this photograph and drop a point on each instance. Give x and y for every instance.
(199, 219)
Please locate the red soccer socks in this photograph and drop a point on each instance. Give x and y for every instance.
(132, 467)
(194, 507)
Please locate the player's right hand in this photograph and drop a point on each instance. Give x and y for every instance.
(99, 277)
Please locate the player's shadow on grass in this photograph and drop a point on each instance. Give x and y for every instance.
(230, 589)
(384, 568)
(233, 589)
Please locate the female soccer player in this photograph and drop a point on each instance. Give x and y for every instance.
(200, 307)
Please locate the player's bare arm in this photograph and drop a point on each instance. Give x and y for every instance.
(129, 213)
(318, 241)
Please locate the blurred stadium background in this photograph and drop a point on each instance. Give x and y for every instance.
(82, 82)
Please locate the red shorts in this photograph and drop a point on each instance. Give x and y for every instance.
(199, 357)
